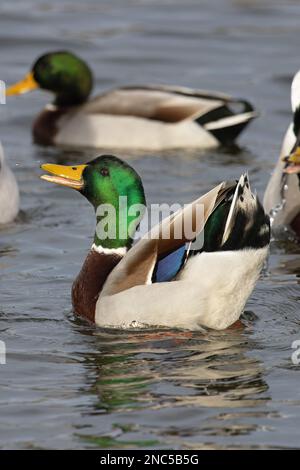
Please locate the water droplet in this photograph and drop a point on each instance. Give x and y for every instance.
(278, 208)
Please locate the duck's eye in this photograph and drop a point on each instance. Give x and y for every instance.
(104, 172)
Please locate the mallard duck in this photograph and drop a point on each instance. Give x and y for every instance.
(189, 271)
(9, 192)
(145, 117)
(282, 195)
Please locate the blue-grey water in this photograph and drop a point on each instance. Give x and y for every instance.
(69, 385)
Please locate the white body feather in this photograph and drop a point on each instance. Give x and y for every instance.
(211, 291)
(108, 131)
(9, 192)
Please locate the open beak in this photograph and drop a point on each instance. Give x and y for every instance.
(292, 162)
(27, 84)
(64, 175)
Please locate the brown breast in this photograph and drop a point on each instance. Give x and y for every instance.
(89, 282)
(45, 127)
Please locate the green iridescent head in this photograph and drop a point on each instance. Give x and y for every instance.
(114, 189)
(62, 73)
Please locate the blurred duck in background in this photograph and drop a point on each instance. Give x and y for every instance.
(282, 196)
(9, 192)
(133, 117)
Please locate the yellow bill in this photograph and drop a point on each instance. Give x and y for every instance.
(293, 162)
(27, 84)
(65, 175)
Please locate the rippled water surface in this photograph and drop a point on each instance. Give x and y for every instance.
(69, 385)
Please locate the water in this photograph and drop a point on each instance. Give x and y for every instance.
(69, 385)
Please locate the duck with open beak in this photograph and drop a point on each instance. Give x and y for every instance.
(70, 176)
(163, 279)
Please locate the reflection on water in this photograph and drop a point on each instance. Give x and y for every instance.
(174, 370)
(69, 385)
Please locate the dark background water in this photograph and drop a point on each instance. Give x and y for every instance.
(69, 385)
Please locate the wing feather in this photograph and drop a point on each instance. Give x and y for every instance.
(166, 104)
(137, 267)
